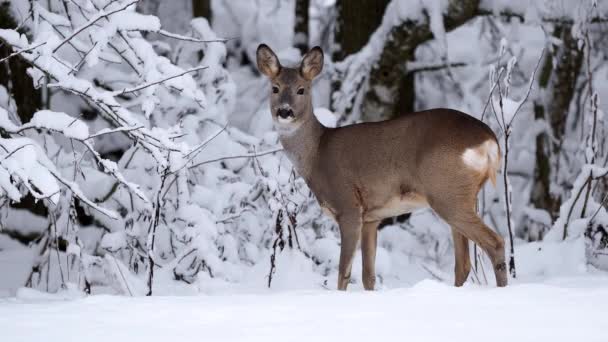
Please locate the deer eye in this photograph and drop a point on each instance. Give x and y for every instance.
(301, 91)
(275, 89)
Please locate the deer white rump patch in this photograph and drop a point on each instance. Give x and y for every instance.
(482, 156)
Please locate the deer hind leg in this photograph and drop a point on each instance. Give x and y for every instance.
(467, 223)
(462, 265)
(369, 241)
(350, 232)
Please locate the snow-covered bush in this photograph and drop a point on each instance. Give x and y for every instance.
(187, 196)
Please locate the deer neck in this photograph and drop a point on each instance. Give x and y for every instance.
(302, 144)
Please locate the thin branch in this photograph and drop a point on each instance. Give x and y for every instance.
(15, 151)
(195, 151)
(73, 187)
(81, 62)
(435, 67)
(602, 203)
(192, 39)
(252, 155)
(18, 52)
(115, 130)
(93, 21)
(578, 195)
(149, 84)
(110, 168)
(542, 52)
(490, 95)
(557, 20)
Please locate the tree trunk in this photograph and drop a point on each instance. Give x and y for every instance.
(301, 35)
(388, 75)
(202, 8)
(19, 85)
(558, 77)
(355, 23)
(352, 30)
(13, 75)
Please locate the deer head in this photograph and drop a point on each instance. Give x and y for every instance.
(290, 96)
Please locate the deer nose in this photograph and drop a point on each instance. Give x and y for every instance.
(284, 113)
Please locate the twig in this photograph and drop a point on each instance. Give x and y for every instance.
(597, 211)
(115, 130)
(152, 230)
(436, 67)
(251, 155)
(149, 84)
(192, 39)
(195, 151)
(490, 95)
(14, 151)
(18, 52)
(232, 217)
(578, 195)
(542, 52)
(121, 275)
(93, 21)
(73, 187)
(81, 62)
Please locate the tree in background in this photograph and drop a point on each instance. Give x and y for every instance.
(301, 35)
(202, 8)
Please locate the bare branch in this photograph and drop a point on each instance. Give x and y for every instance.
(251, 155)
(18, 52)
(542, 52)
(93, 21)
(73, 187)
(490, 95)
(192, 39)
(149, 84)
(115, 130)
(434, 67)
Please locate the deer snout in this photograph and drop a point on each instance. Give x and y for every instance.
(285, 113)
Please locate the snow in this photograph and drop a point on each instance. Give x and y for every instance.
(566, 309)
(219, 220)
(326, 117)
(61, 122)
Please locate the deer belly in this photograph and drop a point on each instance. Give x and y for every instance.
(395, 206)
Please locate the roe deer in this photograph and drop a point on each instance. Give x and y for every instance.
(363, 173)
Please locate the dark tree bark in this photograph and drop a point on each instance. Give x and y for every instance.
(301, 35)
(389, 85)
(202, 8)
(18, 83)
(13, 75)
(558, 78)
(355, 23)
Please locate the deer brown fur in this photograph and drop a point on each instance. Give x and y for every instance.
(363, 173)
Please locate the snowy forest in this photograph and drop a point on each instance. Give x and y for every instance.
(138, 155)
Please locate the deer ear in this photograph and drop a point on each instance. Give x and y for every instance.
(268, 63)
(312, 63)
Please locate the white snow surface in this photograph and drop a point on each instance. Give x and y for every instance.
(565, 309)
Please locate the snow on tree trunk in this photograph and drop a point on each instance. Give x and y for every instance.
(558, 79)
(389, 74)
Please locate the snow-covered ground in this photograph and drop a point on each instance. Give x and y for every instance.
(564, 309)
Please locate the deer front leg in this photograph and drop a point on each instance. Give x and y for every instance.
(350, 232)
(369, 241)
